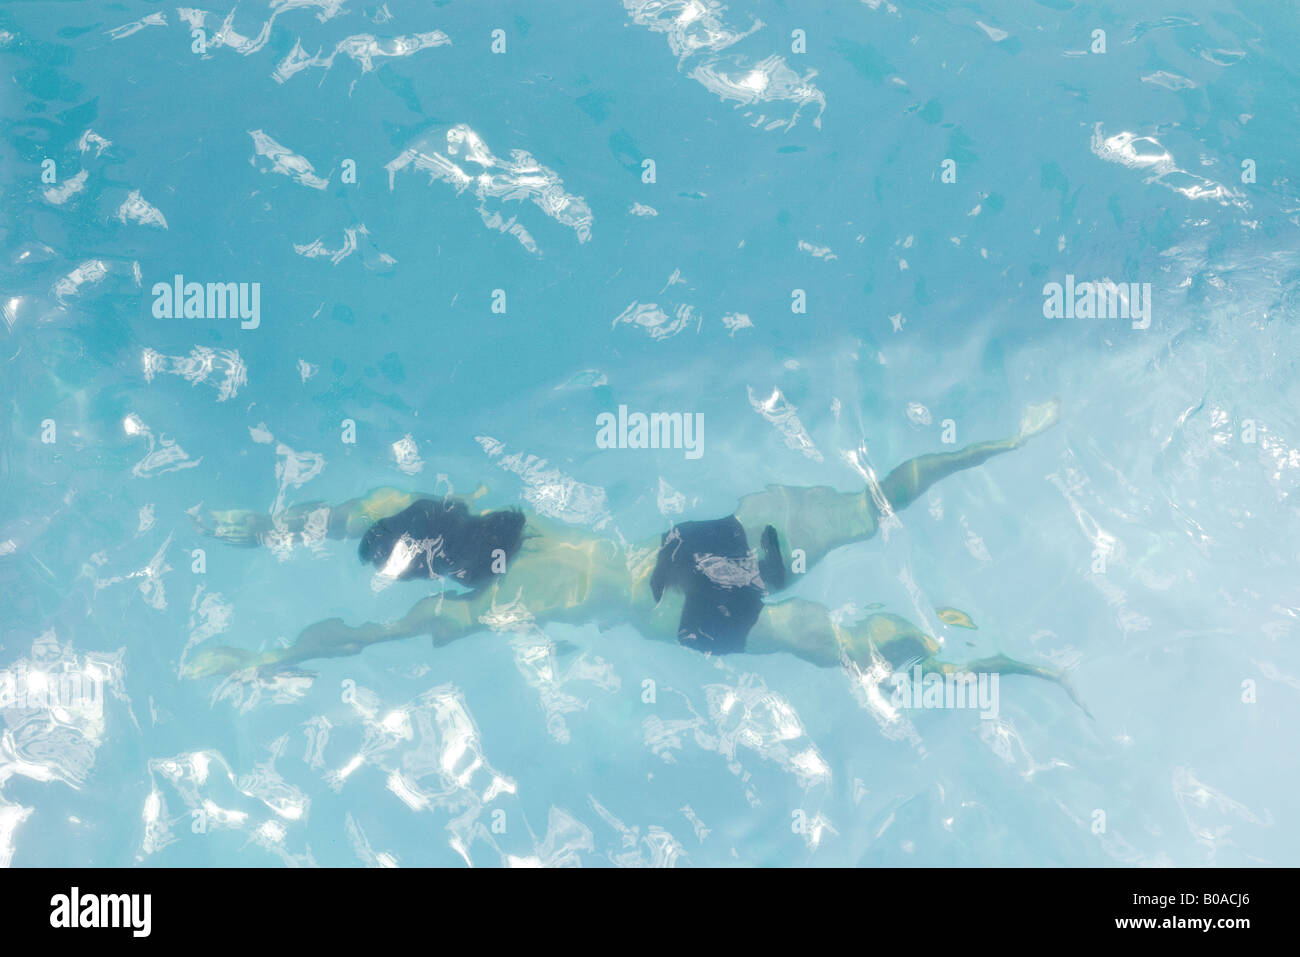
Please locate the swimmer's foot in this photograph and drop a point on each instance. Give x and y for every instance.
(1002, 665)
(1038, 418)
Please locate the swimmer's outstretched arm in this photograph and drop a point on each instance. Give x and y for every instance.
(244, 527)
(441, 617)
(237, 526)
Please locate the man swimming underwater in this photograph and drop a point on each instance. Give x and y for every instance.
(711, 585)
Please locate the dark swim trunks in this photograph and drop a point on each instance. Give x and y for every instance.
(723, 581)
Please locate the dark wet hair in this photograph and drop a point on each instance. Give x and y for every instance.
(449, 541)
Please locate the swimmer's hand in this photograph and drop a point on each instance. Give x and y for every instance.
(222, 660)
(233, 526)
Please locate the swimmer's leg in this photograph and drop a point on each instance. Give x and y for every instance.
(809, 631)
(818, 520)
(905, 484)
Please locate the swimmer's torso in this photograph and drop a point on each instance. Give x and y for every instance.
(561, 572)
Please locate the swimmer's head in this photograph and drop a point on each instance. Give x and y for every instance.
(377, 544)
(445, 539)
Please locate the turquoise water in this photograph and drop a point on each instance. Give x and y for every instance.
(429, 329)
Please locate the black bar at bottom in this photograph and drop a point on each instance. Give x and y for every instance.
(335, 907)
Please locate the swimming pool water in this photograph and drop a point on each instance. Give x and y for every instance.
(459, 233)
